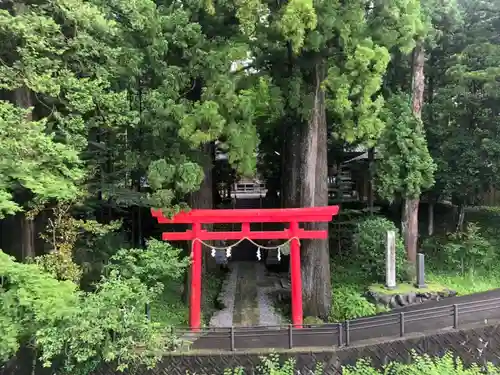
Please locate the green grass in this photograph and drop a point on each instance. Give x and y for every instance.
(405, 288)
(170, 310)
(468, 283)
(349, 283)
(212, 284)
(349, 286)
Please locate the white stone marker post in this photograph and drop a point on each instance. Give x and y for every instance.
(390, 260)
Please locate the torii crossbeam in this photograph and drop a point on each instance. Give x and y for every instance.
(292, 216)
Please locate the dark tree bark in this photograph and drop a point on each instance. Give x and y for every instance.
(290, 179)
(461, 218)
(290, 156)
(371, 172)
(430, 218)
(203, 198)
(314, 192)
(410, 205)
(23, 98)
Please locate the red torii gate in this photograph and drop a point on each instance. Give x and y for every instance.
(292, 216)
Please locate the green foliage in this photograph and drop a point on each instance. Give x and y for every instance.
(463, 137)
(404, 167)
(271, 365)
(32, 159)
(167, 179)
(423, 365)
(160, 261)
(298, 17)
(356, 69)
(168, 309)
(348, 303)
(31, 300)
(420, 365)
(369, 239)
(475, 281)
(75, 329)
(65, 235)
(109, 325)
(359, 119)
(312, 320)
(236, 371)
(462, 251)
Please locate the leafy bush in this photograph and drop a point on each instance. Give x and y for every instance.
(348, 303)
(157, 263)
(369, 239)
(469, 249)
(66, 237)
(168, 309)
(271, 365)
(80, 329)
(422, 365)
(461, 251)
(312, 320)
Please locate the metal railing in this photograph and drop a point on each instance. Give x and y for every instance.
(386, 325)
(245, 189)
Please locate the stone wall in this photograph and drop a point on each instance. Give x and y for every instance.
(474, 345)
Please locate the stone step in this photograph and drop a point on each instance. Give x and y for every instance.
(272, 258)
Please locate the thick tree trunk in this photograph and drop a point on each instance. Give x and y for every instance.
(430, 221)
(371, 171)
(290, 155)
(409, 226)
(290, 179)
(410, 211)
(23, 98)
(461, 218)
(203, 198)
(314, 192)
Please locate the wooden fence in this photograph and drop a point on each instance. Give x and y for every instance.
(379, 327)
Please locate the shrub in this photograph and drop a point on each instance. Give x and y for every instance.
(369, 240)
(271, 365)
(422, 365)
(312, 320)
(74, 329)
(461, 251)
(348, 303)
(469, 249)
(157, 263)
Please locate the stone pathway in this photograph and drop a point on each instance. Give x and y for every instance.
(246, 305)
(245, 295)
(224, 317)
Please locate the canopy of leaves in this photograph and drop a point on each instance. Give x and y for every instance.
(71, 327)
(404, 167)
(32, 159)
(464, 102)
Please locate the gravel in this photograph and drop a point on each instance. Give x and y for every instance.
(224, 317)
(268, 316)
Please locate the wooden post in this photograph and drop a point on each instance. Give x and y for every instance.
(195, 297)
(296, 276)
